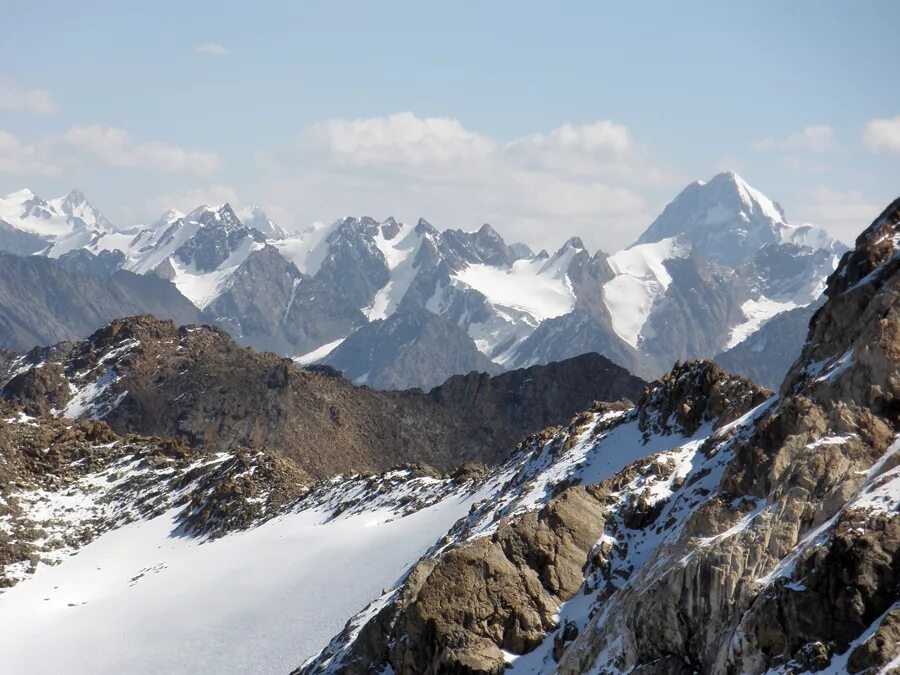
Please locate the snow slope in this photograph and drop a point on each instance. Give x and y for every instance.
(531, 285)
(400, 255)
(259, 601)
(641, 277)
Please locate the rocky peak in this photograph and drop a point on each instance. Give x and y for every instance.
(390, 228)
(221, 232)
(695, 393)
(143, 327)
(222, 216)
(853, 334)
(424, 227)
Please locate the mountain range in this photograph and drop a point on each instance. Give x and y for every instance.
(396, 305)
(154, 516)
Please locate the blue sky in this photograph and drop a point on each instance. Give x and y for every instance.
(580, 118)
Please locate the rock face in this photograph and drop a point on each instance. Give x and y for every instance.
(713, 528)
(146, 376)
(579, 332)
(270, 304)
(42, 301)
(767, 355)
(531, 398)
(408, 349)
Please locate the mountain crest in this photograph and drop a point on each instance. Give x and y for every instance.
(725, 219)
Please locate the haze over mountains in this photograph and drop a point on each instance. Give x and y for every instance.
(396, 305)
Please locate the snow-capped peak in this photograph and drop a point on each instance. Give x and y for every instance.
(222, 215)
(726, 220)
(77, 208)
(19, 196)
(751, 197)
(255, 217)
(26, 211)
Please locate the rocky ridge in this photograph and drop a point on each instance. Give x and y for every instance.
(712, 528)
(146, 376)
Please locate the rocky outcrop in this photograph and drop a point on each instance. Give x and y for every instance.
(693, 394)
(495, 584)
(717, 529)
(110, 480)
(496, 594)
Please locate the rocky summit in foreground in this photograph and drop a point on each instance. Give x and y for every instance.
(708, 530)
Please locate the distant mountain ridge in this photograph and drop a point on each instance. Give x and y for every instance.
(710, 271)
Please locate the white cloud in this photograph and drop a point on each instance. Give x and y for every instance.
(18, 158)
(813, 138)
(187, 200)
(845, 213)
(212, 48)
(539, 188)
(115, 147)
(883, 135)
(602, 137)
(402, 138)
(18, 98)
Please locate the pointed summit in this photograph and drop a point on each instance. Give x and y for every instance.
(256, 218)
(725, 220)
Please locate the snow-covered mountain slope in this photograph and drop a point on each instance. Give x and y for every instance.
(29, 224)
(640, 278)
(228, 562)
(727, 221)
(769, 352)
(709, 529)
(713, 527)
(27, 212)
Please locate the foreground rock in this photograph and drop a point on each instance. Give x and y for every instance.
(710, 529)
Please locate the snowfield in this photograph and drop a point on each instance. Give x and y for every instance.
(641, 277)
(141, 599)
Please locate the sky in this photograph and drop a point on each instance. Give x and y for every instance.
(546, 121)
